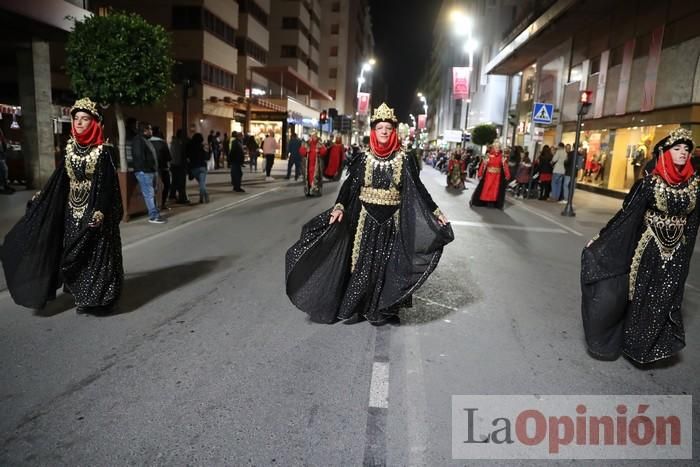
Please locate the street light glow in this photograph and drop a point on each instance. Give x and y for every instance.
(372, 61)
(361, 79)
(420, 94)
(366, 67)
(471, 45)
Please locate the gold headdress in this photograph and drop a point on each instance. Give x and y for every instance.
(677, 136)
(384, 113)
(86, 105)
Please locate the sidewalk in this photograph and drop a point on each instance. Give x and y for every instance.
(222, 196)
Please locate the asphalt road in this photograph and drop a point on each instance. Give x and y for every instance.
(208, 363)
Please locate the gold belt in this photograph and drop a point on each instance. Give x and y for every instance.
(668, 230)
(493, 170)
(383, 197)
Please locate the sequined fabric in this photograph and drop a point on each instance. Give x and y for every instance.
(639, 245)
(370, 264)
(92, 260)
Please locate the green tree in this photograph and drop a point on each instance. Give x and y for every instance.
(119, 59)
(484, 134)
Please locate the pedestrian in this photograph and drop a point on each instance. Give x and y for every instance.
(145, 162)
(163, 156)
(69, 234)
(5, 187)
(558, 172)
(313, 153)
(543, 170)
(236, 158)
(634, 272)
(366, 256)
(226, 148)
(293, 147)
(269, 147)
(334, 160)
(253, 151)
(514, 159)
(493, 175)
(216, 150)
(197, 158)
(178, 168)
(523, 177)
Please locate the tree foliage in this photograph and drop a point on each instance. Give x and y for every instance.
(484, 134)
(119, 58)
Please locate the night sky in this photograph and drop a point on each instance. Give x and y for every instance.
(403, 35)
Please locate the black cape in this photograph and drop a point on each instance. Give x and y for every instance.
(318, 266)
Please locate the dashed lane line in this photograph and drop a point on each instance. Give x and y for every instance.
(508, 227)
(379, 387)
(547, 217)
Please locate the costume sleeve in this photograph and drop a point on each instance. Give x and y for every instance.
(632, 200)
(322, 149)
(422, 191)
(302, 150)
(451, 165)
(351, 184)
(104, 183)
(482, 169)
(506, 169)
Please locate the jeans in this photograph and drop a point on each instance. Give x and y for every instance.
(567, 186)
(269, 162)
(254, 161)
(296, 162)
(145, 180)
(557, 185)
(200, 173)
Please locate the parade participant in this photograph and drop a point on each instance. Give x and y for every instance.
(493, 174)
(70, 231)
(334, 162)
(312, 165)
(456, 170)
(633, 273)
(366, 256)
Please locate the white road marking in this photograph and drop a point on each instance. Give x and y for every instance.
(692, 287)
(6, 293)
(416, 405)
(508, 227)
(215, 212)
(522, 205)
(432, 302)
(379, 387)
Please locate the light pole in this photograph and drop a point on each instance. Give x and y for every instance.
(464, 28)
(367, 66)
(425, 108)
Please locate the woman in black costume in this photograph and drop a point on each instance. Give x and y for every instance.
(364, 258)
(70, 233)
(633, 273)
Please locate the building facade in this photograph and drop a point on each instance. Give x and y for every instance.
(640, 59)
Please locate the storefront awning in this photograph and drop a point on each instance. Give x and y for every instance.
(546, 32)
(290, 79)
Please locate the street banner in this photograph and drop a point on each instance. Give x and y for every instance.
(421, 121)
(460, 82)
(657, 36)
(363, 103)
(625, 76)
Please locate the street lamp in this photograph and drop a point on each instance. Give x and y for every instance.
(367, 66)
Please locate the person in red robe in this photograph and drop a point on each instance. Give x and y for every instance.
(456, 172)
(493, 174)
(334, 164)
(312, 154)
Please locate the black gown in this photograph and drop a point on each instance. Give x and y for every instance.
(633, 275)
(386, 246)
(52, 245)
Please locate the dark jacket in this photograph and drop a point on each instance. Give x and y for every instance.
(196, 155)
(143, 155)
(293, 148)
(236, 155)
(162, 151)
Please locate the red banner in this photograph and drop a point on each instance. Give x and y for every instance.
(599, 101)
(657, 37)
(460, 82)
(421, 121)
(363, 103)
(625, 76)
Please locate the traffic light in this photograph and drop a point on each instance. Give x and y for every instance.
(323, 118)
(584, 102)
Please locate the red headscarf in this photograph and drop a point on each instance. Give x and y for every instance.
(92, 136)
(666, 169)
(384, 151)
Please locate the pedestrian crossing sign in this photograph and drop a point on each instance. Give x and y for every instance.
(542, 113)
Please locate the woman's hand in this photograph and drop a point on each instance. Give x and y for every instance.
(336, 216)
(97, 219)
(442, 220)
(590, 242)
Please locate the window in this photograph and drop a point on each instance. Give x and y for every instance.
(289, 51)
(335, 28)
(333, 73)
(595, 65)
(187, 17)
(312, 66)
(249, 48)
(218, 77)
(334, 51)
(253, 9)
(219, 28)
(290, 23)
(331, 92)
